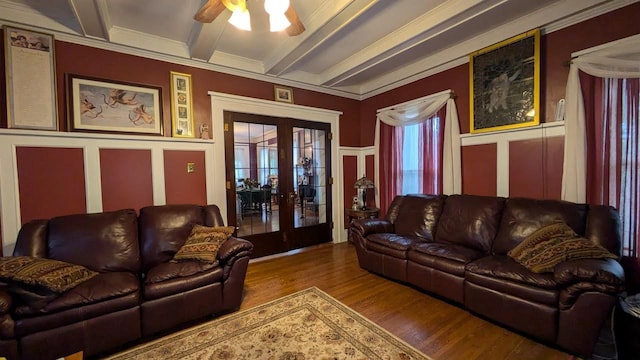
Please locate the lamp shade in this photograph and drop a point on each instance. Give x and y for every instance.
(363, 183)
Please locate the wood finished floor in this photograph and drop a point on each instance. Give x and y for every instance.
(435, 327)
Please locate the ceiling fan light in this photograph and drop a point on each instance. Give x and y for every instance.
(241, 19)
(278, 22)
(276, 7)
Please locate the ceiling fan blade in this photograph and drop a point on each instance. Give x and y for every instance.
(209, 11)
(296, 27)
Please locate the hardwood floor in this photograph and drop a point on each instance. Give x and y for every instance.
(435, 327)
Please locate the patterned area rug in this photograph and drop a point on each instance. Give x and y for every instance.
(309, 324)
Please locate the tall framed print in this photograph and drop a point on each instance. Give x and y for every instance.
(31, 79)
(505, 84)
(181, 105)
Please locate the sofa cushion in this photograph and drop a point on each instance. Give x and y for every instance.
(52, 275)
(81, 303)
(102, 287)
(523, 291)
(504, 267)
(391, 244)
(172, 270)
(553, 244)
(470, 221)
(521, 217)
(101, 242)
(448, 251)
(418, 216)
(450, 258)
(203, 243)
(164, 229)
(181, 284)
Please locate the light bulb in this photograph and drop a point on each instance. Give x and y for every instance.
(276, 6)
(241, 19)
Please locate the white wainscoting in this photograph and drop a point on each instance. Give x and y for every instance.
(10, 139)
(502, 139)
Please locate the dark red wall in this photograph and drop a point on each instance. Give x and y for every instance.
(182, 187)
(126, 179)
(555, 49)
(78, 59)
(479, 168)
(350, 175)
(51, 182)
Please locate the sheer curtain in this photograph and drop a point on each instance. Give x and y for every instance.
(601, 141)
(435, 119)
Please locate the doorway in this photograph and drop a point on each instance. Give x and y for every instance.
(278, 174)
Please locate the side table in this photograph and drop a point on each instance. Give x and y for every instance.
(352, 215)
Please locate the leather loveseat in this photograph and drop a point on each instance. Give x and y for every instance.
(457, 248)
(138, 291)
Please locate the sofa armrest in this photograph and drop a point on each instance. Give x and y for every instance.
(364, 227)
(607, 272)
(6, 321)
(232, 249)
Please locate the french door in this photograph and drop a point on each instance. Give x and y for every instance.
(277, 173)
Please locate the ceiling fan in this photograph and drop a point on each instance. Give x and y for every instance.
(281, 14)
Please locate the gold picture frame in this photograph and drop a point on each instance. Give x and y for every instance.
(505, 84)
(283, 94)
(31, 79)
(182, 122)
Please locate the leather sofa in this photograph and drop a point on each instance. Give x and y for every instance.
(456, 247)
(138, 291)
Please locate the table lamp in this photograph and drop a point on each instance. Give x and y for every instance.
(364, 183)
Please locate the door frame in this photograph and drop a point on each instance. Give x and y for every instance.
(221, 102)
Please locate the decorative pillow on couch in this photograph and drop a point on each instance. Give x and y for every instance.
(203, 243)
(555, 243)
(53, 275)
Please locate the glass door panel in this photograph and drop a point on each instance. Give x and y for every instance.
(256, 178)
(309, 176)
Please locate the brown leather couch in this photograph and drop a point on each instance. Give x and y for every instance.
(456, 247)
(137, 292)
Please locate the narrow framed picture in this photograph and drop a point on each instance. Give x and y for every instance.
(31, 80)
(181, 106)
(505, 84)
(283, 93)
(98, 105)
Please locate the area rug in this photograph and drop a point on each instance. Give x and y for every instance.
(308, 324)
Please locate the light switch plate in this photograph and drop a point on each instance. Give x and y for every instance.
(191, 167)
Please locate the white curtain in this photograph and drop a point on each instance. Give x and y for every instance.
(620, 59)
(414, 112)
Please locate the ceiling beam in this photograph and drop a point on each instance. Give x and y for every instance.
(93, 17)
(416, 32)
(204, 37)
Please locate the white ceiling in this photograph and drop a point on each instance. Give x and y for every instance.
(352, 48)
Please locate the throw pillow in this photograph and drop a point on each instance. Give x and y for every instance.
(555, 243)
(52, 275)
(203, 243)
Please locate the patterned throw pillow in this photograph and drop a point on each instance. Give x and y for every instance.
(555, 243)
(56, 276)
(203, 243)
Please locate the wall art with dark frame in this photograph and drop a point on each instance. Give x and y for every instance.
(99, 105)
(31, 79)
(505, 84)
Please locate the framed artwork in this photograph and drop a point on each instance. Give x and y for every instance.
(117, 107)
(283, 93)
(181, 105)
(31, 80)
(505, 84)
